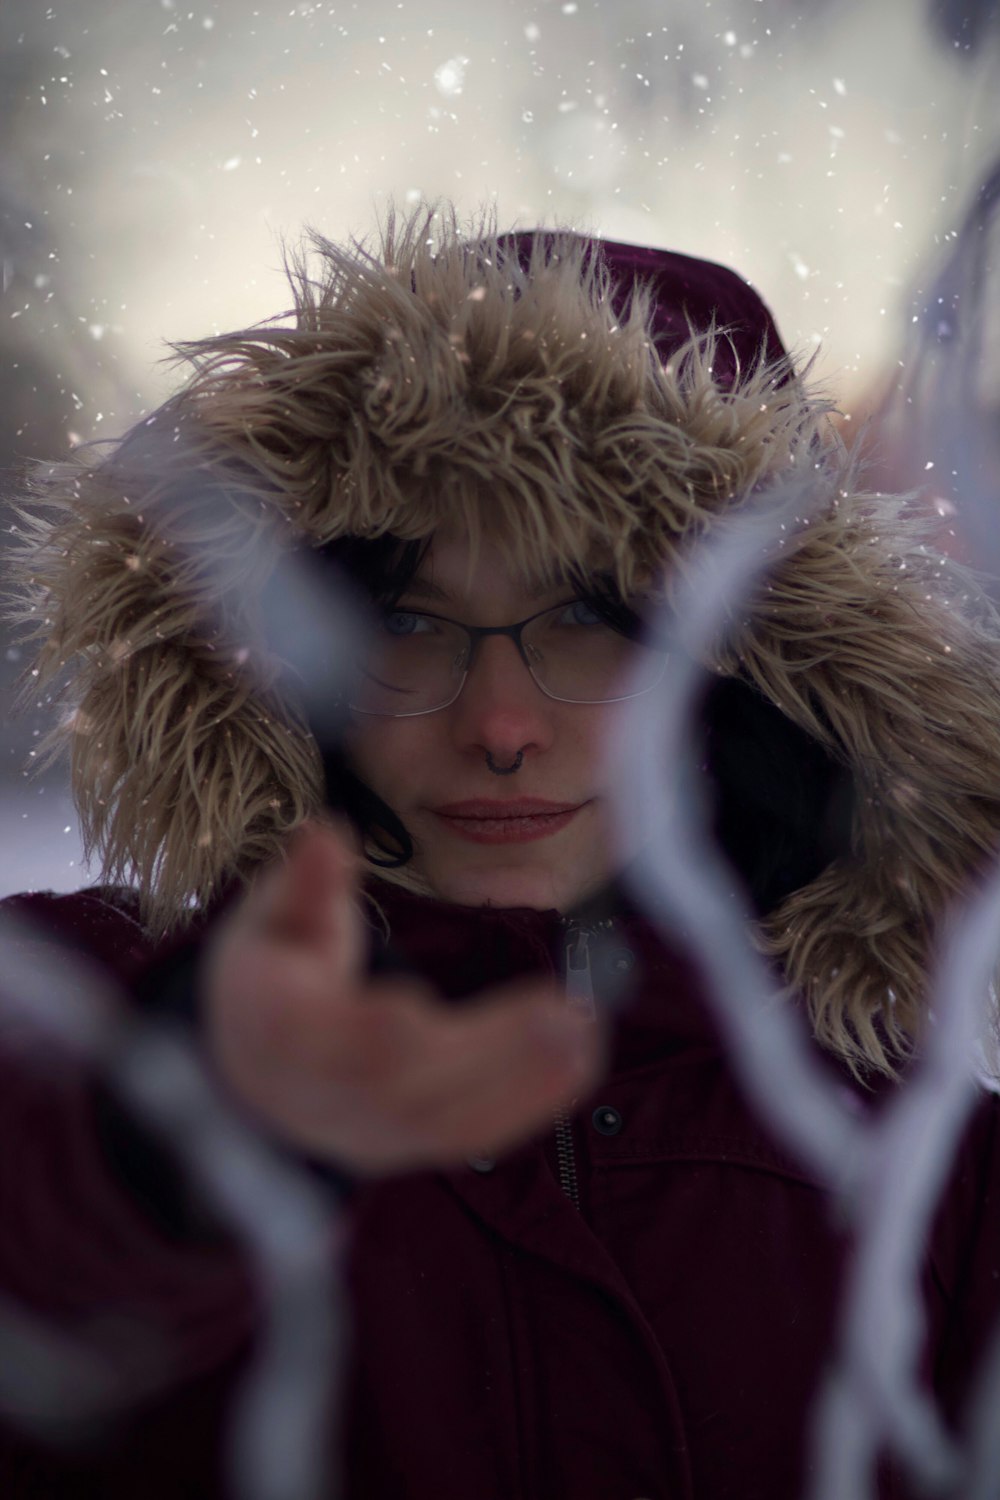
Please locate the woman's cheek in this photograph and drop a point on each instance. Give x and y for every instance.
(388, 755)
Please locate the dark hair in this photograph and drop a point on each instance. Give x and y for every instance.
(780, 804)
(381, 567)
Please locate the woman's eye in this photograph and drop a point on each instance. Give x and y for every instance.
(581, 613)
(402, 622)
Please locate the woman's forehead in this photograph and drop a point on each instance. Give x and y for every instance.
(454, 566)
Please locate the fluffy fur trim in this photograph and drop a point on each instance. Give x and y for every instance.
(417, 385)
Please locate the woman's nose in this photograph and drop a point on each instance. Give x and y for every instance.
(501, 708)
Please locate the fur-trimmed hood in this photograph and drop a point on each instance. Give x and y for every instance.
(527, 387)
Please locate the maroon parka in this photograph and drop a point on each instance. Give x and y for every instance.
(640, 1303)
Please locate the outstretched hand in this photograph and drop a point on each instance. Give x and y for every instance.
(378, 1075)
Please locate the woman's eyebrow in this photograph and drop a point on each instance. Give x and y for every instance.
(423, 588)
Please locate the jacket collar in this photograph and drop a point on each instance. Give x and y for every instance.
(650, 985)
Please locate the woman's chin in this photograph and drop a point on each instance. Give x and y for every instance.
(542, 874)
(540, 890)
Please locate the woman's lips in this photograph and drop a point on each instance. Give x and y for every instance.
(506, 823)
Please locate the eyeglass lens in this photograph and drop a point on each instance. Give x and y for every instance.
(416, 662)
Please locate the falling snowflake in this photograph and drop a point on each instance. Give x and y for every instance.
(450, 76)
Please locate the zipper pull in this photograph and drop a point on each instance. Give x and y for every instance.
(579, 980)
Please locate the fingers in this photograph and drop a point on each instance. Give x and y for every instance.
(482, 1078)
(492, 1105)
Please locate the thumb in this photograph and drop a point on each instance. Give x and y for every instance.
(312, 897)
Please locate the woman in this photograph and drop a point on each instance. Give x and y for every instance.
(512, 444)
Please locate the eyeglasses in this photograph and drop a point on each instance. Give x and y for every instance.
(417, 663)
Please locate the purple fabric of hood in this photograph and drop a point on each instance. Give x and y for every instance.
(687, 293)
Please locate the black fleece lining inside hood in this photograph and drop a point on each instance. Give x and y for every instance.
(782, 807)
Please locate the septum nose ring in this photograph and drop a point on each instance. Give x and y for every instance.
(505, 770)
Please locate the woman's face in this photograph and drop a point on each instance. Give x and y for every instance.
(423, 766)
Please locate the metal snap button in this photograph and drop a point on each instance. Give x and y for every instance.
(606, 1120)
(481, 1163)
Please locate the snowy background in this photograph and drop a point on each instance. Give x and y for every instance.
(154, 156)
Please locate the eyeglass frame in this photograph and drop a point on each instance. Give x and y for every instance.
(476, 633)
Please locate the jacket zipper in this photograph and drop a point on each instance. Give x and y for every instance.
(580, 997)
